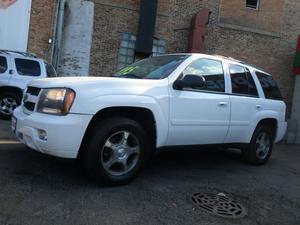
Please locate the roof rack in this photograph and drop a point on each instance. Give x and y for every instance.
(26, 54)
(241, 62)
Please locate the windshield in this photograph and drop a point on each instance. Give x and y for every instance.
(152, 68)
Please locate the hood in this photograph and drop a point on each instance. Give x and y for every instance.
(105, 85)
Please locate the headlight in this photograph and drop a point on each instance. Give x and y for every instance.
(56, 101)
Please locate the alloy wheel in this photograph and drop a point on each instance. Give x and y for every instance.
(120, 153)
(7, 106)
(263, 144)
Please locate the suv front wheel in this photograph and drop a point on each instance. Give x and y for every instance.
(260, 148)
(8, 102)
(116, 151)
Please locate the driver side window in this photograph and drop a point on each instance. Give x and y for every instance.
(211, 70)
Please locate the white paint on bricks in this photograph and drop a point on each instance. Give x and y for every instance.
(74, 56)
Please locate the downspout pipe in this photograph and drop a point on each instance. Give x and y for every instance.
(58, 32)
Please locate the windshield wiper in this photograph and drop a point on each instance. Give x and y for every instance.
(128, 75)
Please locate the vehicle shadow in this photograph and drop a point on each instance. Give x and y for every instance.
(48, 170)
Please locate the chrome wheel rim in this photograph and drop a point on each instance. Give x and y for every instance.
(7, 106)
(120, 153)
(263, 144)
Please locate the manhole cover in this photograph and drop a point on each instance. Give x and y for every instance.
(219, 205)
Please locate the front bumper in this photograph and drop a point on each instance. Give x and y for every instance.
(64, 133)
(281, 130)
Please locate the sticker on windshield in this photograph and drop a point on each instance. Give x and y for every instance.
(128, 70)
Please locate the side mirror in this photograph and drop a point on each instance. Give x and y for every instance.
(189, 81)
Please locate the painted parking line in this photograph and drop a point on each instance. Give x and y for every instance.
(9, 142)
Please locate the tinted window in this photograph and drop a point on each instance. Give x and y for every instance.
(3, 64)
(211, 70)
(241, 81)
(269, 86)
(251, 84)
(28, 67)
(50, 70)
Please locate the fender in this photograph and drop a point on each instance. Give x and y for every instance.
(265, 114)
(160, 114)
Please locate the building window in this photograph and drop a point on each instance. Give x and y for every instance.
(126, 51)
(252, 4)
(126, 54)
(159, 47)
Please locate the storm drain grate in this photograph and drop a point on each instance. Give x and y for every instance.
(219, 205)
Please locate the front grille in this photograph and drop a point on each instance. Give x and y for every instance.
(29, 106)
(33, 91)
(30, 98)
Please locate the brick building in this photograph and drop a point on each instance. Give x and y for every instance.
(261, 32)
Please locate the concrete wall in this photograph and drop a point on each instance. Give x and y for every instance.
(294, 124)
(74, 53)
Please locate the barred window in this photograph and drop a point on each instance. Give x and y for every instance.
(159, 47)
(126, 54)
(126, 51)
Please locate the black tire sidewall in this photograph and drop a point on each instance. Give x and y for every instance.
(12, 95)
(92, 154)
(249, 152)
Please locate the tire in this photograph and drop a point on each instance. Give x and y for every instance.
(8, 102)
(116, 151)
(260, 147)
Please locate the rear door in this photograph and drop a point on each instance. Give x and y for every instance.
(245, 103)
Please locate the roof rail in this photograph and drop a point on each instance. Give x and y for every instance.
(26, 54)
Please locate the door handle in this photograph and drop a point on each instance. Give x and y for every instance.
(258, 106)
(222, 103)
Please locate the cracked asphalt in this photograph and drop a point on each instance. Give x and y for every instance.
(42, 190)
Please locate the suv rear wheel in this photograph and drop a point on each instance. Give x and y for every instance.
(116, 151)
(8, 102)
(260, 148)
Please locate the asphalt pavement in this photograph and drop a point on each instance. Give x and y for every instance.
(43, 190)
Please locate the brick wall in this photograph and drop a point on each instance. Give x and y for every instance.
(42, 27)
(272, 51)
(265, 37)
(111, 19)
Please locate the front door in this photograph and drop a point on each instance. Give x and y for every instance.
(200, 115)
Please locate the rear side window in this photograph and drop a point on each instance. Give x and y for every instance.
(3, 64)
(50, 70)
(27, 67)
(269, 86)
(242, 81)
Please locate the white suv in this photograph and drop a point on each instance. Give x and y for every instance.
(113, 124)
(17, 69)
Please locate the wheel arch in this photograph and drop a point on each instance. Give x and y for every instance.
(144, 116)
(16, 90)
(271, 122)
